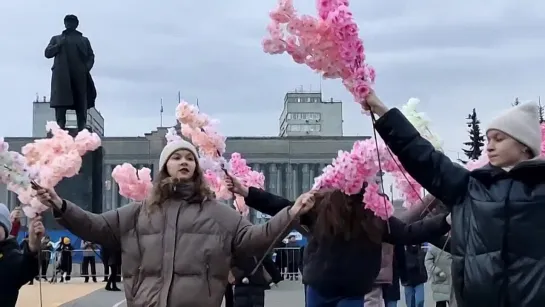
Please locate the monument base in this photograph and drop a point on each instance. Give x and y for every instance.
(84, 189)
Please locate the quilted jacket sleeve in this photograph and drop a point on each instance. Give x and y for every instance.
(431, 168)
(417, 232)
(98, 228)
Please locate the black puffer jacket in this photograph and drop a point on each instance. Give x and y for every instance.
(498, 219)
(17, 267)
(414, 271)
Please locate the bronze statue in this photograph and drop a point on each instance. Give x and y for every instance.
(72, 87)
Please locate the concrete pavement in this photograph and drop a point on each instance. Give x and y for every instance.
(288, 293)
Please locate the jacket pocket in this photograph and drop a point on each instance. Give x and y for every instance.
(207, 276)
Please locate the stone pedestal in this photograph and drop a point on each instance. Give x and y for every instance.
(84, 189)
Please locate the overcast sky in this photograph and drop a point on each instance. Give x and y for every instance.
(453, 55)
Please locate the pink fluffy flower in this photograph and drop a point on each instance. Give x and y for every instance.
(17, 175)
(59, 157)
(328, 44)
(47, 161)
(377, 203)
(215, 182)
(200, 129)
(133, 184)
(246, 176)
(172, 135)
(350, 170)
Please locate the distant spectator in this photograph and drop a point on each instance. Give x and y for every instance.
(88, 260)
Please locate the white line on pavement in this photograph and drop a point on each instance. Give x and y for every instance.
(118, 304)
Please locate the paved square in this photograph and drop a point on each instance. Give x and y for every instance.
(288, 293)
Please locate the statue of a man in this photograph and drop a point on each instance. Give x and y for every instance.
(72, 87)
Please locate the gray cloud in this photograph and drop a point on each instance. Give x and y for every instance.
(453, 56)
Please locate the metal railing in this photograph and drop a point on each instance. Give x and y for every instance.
(88, 264)
(83, 263)
(288, 261)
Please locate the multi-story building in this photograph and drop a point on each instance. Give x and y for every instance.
(306, 114)
(43, 113)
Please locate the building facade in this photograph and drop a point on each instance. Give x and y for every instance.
(306, 114)
(43, 113)
(289, 164)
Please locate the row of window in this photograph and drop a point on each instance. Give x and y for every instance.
(304, 116)
(304, 128)
(307, 99)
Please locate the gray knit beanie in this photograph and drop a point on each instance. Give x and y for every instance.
(173, 147)
(521, 122)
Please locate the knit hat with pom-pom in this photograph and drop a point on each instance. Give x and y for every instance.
(521, 122)
(173, 147)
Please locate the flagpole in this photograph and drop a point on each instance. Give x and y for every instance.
(161, 112)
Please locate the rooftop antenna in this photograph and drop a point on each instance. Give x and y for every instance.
(161, 113)
(37, 97)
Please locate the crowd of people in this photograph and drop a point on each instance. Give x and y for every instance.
(181, 247)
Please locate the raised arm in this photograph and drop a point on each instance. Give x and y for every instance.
(265, 202)
(431, 168)
(271, 204)
(100, 228)
(52, 48)
(417, 232)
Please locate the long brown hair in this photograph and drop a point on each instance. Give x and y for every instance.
(338, 215)
(164, 183)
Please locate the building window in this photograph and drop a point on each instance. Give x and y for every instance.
(304, 116)
(304, 128)
(308, 99)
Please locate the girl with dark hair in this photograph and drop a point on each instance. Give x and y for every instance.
(343, 254)
(177, 245)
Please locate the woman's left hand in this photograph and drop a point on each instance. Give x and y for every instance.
(303, 204)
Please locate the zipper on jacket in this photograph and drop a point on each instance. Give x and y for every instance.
(207, 267)
(504, 252)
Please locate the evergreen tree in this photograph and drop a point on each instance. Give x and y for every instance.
(476, 138)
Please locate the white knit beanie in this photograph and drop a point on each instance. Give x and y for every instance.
(521, 122)
(173, 147)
